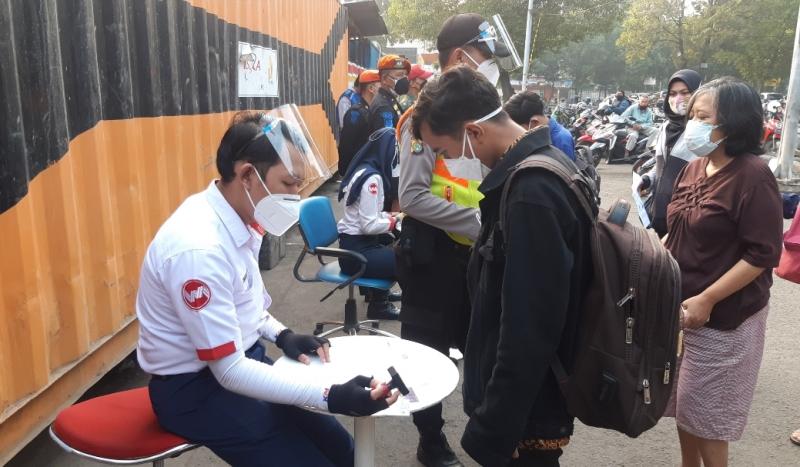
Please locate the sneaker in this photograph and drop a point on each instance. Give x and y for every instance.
(436, 452)
(382, 310)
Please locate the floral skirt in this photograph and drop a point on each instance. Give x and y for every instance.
(717, 377)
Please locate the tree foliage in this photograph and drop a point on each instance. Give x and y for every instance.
(751, 38)
(559, 21)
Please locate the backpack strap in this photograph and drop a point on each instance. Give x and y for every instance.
(581, 187)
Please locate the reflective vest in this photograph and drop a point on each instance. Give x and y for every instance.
(461, 191)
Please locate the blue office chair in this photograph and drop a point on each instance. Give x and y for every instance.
(318, 228)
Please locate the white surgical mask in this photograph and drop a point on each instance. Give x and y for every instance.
(275, 213)
(469, 168)
(488, 68)
(697, 137)
(678, 104)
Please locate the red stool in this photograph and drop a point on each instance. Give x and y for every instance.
(119, 428)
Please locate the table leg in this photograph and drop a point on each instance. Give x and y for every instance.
(364, 441)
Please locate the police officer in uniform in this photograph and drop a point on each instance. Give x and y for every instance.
(202, 309)
(440, 199)
(385, 111)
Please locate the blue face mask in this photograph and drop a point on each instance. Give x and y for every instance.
(697, 137)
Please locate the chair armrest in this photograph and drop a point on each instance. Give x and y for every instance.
(340, 253)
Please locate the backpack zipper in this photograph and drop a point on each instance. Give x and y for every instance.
(646, 391)
(629, 330)
(667, 368)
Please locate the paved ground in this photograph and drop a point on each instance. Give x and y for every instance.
(773, 416)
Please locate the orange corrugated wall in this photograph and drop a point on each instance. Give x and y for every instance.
(72, 248)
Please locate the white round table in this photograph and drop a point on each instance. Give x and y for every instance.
(431, 376)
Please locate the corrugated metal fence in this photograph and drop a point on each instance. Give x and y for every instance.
(110, 114)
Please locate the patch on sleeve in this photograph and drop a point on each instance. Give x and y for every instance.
(373, 188)
(416, 146)
(388, 119)
(196, 294)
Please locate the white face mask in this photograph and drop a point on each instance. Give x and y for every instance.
(488, 68)
(697, 137)
(469, 168)
(275, 213)
(678, 104)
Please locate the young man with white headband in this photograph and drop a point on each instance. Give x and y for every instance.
(441, 224)
(527, 281)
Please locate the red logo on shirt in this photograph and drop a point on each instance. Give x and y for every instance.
(196, 294)
(373, 188)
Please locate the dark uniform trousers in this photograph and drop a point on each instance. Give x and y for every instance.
(432, 271)
(244, 431)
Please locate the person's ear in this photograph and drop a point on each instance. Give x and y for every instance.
(475, 131)
(533, 123)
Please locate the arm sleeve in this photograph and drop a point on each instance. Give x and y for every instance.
(341, 108)
(535, 298)
(270, 327)
(627, 113)
(255, 379)
(760, 225)
(416, 199)
(371, 218)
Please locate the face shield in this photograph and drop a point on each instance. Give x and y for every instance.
(496, 37)
(287, 132)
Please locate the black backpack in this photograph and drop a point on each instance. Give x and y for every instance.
(354, 135)
(629, 329)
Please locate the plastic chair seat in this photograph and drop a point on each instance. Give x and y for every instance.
(119, 426)
(332, 273)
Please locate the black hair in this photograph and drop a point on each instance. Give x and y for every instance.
(739, 114)
(459, 95)
(244, 141)
(524, 105)
(482, 48)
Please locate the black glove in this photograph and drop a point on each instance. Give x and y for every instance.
(294, 345)
(352, 398)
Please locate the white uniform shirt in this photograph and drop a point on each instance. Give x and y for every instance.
(366, 216)
(201, 296)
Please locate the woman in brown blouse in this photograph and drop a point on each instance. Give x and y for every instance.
(724, 229)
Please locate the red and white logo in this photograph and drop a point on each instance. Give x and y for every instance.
(373, 188)
(196, 294)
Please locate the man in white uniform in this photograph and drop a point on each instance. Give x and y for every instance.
(202, 308)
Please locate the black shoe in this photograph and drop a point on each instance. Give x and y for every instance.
(382, 310)
(395, 296)
(436, 452)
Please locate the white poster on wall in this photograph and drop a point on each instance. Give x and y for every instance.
(258, 71)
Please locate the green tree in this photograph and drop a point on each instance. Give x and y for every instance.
(649, 24)
(559, 21)
(755, 38)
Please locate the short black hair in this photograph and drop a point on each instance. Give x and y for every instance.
(243, 142)
(459, 95)
(524, 105)
(739, 114)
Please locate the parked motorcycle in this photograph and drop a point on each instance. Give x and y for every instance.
(773, 126)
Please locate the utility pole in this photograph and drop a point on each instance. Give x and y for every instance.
(526, 63)
(786, 181)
